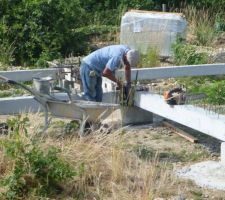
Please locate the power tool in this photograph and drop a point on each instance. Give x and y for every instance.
(178, 96)
(175, 96)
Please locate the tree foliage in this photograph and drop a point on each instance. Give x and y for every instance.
(37, 30)
(39, 27)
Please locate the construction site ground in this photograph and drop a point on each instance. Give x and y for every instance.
(151, 142)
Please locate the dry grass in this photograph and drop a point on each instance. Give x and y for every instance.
(200, 26)
(109, 168)
(110, 171)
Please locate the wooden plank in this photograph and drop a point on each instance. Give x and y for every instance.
(175, 71)
(180, 132)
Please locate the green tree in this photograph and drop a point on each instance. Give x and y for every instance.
(40, 27)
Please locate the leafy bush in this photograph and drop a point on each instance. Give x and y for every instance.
(39, 27)
(214, 89)
(34, 170)
(150, 59)
(214, 5)
(215, 92)
(34, 31)
(185, 54)
(212, 86)
(87, 32)
(91, 5)
(220, 22)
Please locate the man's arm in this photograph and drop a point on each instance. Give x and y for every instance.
(128, 74)
(108, 74)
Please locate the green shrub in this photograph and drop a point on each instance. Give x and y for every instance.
(151, 58)
(215, 92)
(6, 48)
(185, 54)
(87, 32)
(108, 9)
(35, 170)
(34, 31)
(220, 22)
(39, 27)
(212, 86)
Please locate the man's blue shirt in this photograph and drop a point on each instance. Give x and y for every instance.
(110, 57)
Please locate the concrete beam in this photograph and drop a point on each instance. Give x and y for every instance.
(175, 71)
(23, 104)
(16, 105)
(143, 73)
(191, 116)
(28, 75)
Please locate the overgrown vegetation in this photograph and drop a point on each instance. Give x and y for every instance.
(33, 170)
(32, 32)
(186, 54)
(128, 165)
(151, 58)
(213, 87)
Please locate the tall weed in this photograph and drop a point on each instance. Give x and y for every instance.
(151, 58)
(186, 54)
(205, 33)
(33, 169)
(7, 48)
(201, 25)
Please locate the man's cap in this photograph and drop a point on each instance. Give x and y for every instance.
(133, 57)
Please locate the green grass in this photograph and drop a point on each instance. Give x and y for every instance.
(14, 92)
(205, 33)
(186, 54)
(151, 58)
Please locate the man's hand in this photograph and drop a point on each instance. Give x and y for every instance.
(119, 84)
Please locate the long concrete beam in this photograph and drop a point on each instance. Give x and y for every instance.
(143, 73)
(28, 75)
(175, 71)
(23, 104)
(191, 116)
(16, 105)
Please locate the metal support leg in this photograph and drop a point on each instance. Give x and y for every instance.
(82, 125)
(46, 118)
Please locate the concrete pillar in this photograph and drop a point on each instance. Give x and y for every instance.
(222, 153)
(135, 116)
